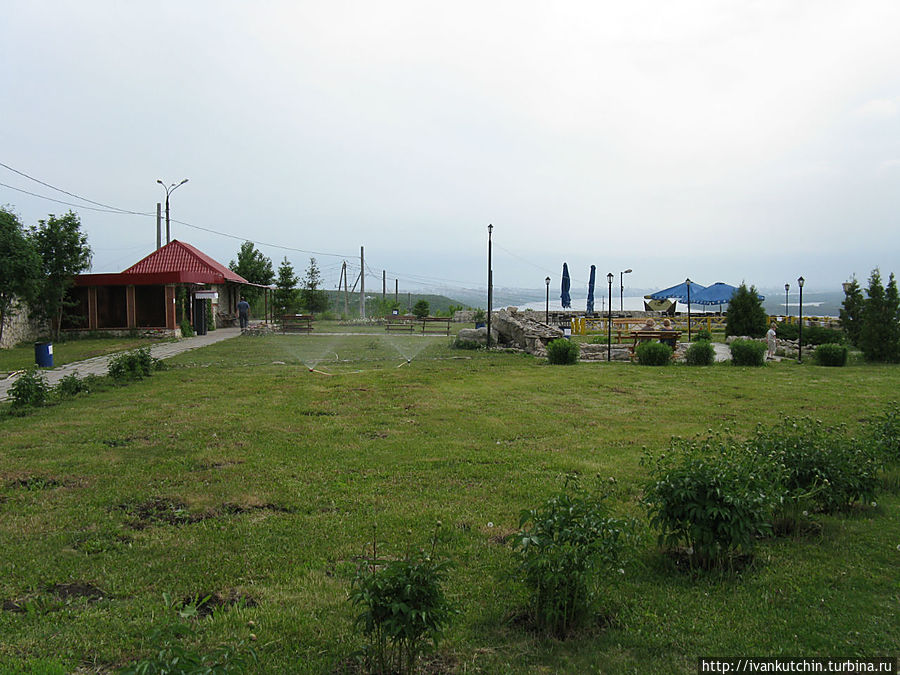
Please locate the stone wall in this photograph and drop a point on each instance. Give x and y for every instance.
(19, 326)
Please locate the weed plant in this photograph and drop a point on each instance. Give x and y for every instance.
(564, 546)
(465, 344)
(883, 433)
(562, 352)
(71, 385)
(29, 390)
(133, 365)
(748, 353)
(402, 605)
(653, 354)
(703, 334)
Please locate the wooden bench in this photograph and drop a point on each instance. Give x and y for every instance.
(646, 335)
(405, 323)
(429, 325)
(297, 323)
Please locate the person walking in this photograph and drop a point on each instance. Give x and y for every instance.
(243, 313)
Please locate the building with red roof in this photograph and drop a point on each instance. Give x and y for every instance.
(145, 295)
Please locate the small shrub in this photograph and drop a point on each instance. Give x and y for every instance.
(812, 335)
(71, 385)
(562, 352)
(748, 353)
(653, 354)
(700, 353)
(831, 354)
(883, 433)
(709, 497)
(403, 605)
(703, 334)
(134, 365)
(817, 466)
(479, 316)
(420, 309)
(186, 329)
(465, 344)
(30, 389)
(564, 546)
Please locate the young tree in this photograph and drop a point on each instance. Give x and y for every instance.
(746, 315)
(20, 266)
(420, 309)
(879, 335)
(851, 311)
(64, 252)
(254, 267)
(285, 297)
(312, 297)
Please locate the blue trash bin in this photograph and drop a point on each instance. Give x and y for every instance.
(43, 354)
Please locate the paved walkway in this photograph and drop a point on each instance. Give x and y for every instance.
(99, 365)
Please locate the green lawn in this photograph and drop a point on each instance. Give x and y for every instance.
(239, 472)
(22, 356)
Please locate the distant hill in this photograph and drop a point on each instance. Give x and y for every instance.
(406, 301)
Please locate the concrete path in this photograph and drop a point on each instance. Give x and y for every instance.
(99, 365)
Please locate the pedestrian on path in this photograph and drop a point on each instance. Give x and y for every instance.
(770, 341)
(243, 313)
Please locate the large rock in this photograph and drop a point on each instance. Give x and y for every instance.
(517, 329)
(478, 335)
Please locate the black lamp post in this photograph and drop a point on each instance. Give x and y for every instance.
(688, 284)
(547, 306)
(609, 278)
(169, 190)
(622, 289)
(800, 281)
(490, 289)
(787, 287)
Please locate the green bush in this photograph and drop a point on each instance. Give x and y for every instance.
(816, 465)
(403, 605)
(703, 334)
(812, 335)
(134, 365)
(831, 355)
(700, 354)
(746, 315)
(709, 497)
(186, 329)
(564, 546)
(883, 432)
(420, 309)
(30, 389)
(71, 385)
(466, 344)
(748, 353)
(653, 354)
(562, 352)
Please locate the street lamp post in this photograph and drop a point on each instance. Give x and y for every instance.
(688, 284)
(787, 287)
(800, 281)
(490, 281)
(609, 279)
(547, 306)
(169, 190)
(622, 289)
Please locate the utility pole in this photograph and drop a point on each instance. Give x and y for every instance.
(396, 289)
(383, 287)
(158, 226)
(346, 294)
(362, 283)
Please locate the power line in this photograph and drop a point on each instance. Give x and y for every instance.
(77, 206)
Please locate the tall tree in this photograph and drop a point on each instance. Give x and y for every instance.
(64, 252)
(285, 297)
(312, 297)
(20, 266)
(879, 335)
(254, 267)
(851, 310)
(746, 315)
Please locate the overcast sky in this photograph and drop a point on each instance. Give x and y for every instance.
(725, 141)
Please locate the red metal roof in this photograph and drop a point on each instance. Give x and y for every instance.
(179, 257)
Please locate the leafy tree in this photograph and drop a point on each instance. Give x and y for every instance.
(312, 297)
(64, 252)
(254, 267)
(420, 309)
(20, 266)
(285, 297)
(746, 315)
(879, 335)
(851, 311)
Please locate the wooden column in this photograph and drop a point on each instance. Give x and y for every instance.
(92, 308)
(130, 307)
(170, 306)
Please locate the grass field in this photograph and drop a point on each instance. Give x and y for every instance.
(22, 356)
(239, 473)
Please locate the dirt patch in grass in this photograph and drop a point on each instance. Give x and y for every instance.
(77, 589)
(165, 511)
(62, 594)
(236, 509)
(34, 483)
(429, 664)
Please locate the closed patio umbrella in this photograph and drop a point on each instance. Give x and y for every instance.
(564, 297)
(590, 298)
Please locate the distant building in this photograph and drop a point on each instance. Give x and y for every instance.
(145, 296)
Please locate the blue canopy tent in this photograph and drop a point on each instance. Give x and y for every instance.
(679, 292)
(564, 297)
(590, 298)
(717, 294)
